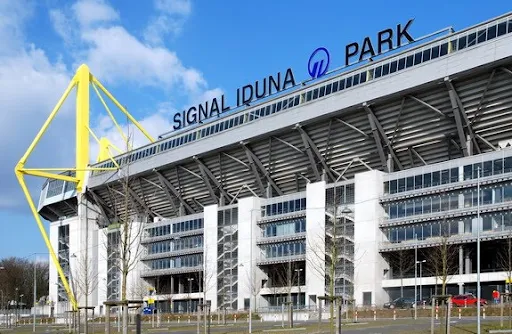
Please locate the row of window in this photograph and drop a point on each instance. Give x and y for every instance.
(284, 207)
(490, 222)
(432, 179)
(400, 62)
(186, 261)
(176, 245)
(178, 227)
(449, 202)
(488, 168)
(426, 180)
(338, 195)
(284, 249)
(285, 227)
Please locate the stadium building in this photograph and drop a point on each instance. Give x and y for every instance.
(367, 177)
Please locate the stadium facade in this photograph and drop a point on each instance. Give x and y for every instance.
(365, 177)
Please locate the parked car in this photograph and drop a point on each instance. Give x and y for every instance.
(401, 302)
(467, 300)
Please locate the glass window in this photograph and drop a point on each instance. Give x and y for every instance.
(418, 181)
(436, 178)
(410, 183)
(468, 172)
(445, 176)
(393, 186)
(401, 185)
(454, 175)
(487, 168)
(498, 166)
(427, 180)
(507, 168)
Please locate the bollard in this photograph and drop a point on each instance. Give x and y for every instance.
(459, 313)
(189, 319)
(437, 312)
(424, 302)
(235, 318)
(168, 319)
(374, 314)
(179, 318)
(394, 314)
(483, 314)
(138, 324)
(355, 318)
(465, 303)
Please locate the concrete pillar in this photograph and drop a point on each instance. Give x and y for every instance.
(467, 264)
(461, 267)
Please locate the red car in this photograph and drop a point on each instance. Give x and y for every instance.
(467, 300)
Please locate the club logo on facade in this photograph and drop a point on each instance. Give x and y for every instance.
(319, 63)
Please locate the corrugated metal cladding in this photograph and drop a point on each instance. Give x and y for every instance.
(413, 127)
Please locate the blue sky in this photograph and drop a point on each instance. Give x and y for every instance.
(160, 56)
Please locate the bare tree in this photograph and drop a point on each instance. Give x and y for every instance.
(505, 258)
(441, 261)
(130, 232)
(403, 261)
(333, 254)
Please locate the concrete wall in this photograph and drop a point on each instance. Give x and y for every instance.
(369, 265)
(249, 275)
(210, 254)
(315, 242)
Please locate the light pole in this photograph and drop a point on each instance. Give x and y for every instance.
(35, 300)
(478, 293)
(421, 271)
(415, 276)
(189, 293)
(298, 285)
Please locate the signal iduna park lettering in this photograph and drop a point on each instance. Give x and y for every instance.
(217, 106)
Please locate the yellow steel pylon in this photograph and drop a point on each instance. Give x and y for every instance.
(81, 80)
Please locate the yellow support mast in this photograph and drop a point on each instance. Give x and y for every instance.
(82, 80)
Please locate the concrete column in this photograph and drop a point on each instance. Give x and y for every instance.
(468, 264)
(315, 241)
(180, 285)
(249, 274)
(369, 264)
(210, 254)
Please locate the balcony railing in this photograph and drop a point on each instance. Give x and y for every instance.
(469, 211)
(454, 239)
(170, 271)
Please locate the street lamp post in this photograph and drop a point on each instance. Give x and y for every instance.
(298, 285)
(189, 293)
(35, 300)
(421, 271)
(478, 224)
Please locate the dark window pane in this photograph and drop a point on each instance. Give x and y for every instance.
(417, 58)
(444, 49)
(409, 61)
(410, 183)
(385, 69)
(498, 166)
(482, 36)
(491, 32)
(378, 72)
(427, 180)
(418, 181)
(401, 64)
(502, 28)
(393, 67)
(435, 52)
(454, 175)
(472, 39)
(426, 55)
(462, 42)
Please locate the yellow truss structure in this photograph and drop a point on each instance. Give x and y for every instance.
(82, 81)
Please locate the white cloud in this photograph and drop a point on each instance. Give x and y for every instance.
(113, 54)
(170, 19)
(179, 7)
(89, 12)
